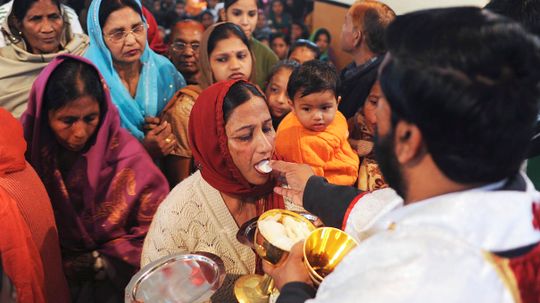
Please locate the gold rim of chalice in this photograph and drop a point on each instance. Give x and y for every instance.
(324, 249)
(268, 251)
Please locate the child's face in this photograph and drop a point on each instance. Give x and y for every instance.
(315, 111)
(370, 106)
(276, 93)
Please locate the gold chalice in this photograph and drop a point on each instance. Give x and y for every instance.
(257, 288)
(324, 249)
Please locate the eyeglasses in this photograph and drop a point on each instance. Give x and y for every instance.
(120, 35)
(181, 46)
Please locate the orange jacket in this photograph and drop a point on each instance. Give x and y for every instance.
(327, 152)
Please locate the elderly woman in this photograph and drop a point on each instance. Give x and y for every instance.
(141, 81)
(35, 32)
(104, 188)
(224, 54)
(230, 132)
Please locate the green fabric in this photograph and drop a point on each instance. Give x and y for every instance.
(264, 61)
(533, 170)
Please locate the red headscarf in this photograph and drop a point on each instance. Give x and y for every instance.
(208, 142)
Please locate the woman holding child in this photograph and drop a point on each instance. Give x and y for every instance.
(230, 132)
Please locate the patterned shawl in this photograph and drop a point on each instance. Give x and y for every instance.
(107, 200)
(158, 82)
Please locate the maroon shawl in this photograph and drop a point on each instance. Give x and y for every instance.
(208, 143)
(107, 201)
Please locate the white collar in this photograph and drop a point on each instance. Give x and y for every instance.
(495, 220)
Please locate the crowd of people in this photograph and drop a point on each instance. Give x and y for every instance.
(131, 131)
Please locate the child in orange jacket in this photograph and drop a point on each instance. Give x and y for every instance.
(315, 132)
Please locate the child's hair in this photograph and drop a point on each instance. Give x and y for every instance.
(283, 64)
(278, 35)
(313, 77)
(305, 43)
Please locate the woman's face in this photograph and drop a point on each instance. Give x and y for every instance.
(231, 59)
(296, 32)
(280, 47)
(125, 36)
(250, 138)
(276, 93)
(75, 123)
(322, 42)
(244, 14)
(207, 20)
(277, 8)
(42, 27)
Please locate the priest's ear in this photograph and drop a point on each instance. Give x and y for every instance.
(408, 142)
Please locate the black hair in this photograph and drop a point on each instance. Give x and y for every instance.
(205, 12)
(281, 35)
(305, 43)
(305, 31)
(322, 31)
(468, 79)
(71, 80)
(527, 12)
(109, 6)
(238, 94)
(20, 7)
(223, 31)
(283, 64)
(228, 3)
(313, 77)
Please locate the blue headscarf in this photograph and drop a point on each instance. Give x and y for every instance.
(158, 82)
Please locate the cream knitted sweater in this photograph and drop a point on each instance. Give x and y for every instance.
(194, 217)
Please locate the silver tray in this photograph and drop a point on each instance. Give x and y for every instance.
(178, 278)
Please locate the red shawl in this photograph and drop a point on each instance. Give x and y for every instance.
(208, 142)
(107, 200)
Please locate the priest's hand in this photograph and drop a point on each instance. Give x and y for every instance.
(292, 270)
(294, 177)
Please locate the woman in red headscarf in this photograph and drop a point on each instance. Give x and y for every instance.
(230, 132)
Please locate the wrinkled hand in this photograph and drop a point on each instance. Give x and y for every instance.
(295, 175)
(292, 270)
(159, 140)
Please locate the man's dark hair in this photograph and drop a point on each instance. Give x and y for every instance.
(313, 76)
(469, 80)
(305, 43)
(527, 12)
